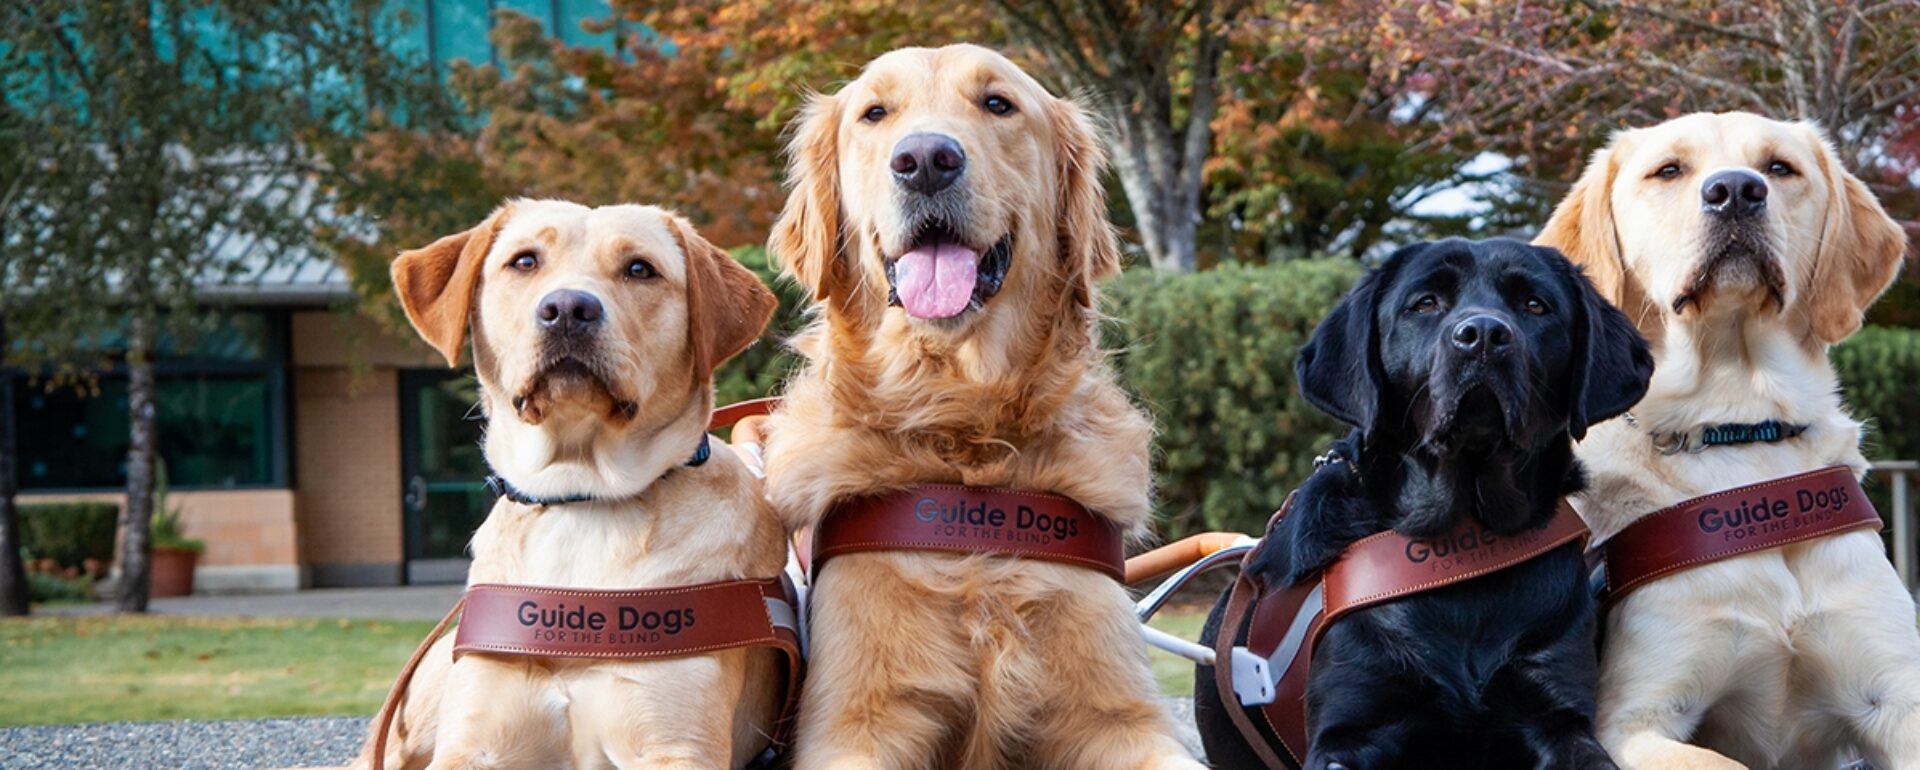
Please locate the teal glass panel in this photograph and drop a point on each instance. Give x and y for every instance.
(574, 33)
(460, 31)
(540, 10)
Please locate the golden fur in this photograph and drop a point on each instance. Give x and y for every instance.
(1782, 658)
(612, 434)
(919, 659)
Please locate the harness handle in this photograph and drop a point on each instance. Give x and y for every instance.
(1179, 554)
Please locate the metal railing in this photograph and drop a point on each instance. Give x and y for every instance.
(1901, 472)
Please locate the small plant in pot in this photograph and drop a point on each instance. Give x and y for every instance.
(174, 554)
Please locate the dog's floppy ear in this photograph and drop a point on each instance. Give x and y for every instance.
(727, 306)
(807, 236)
(1860, 250)
(1086, 238)
(1338, 368)
(1611, 361)
(1583, 228)
(1582, 225)
(435, 284)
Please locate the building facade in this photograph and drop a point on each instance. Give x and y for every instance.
(306, 445)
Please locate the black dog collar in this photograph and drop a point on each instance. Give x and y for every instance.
(1704, 437)
(499, 485)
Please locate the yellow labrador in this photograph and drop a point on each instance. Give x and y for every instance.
(1743, 250)
(595, 334)
(948, 213)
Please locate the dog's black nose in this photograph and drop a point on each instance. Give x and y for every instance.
(928, 163)
(1737, 192)
(569, 312)
(1482, 335)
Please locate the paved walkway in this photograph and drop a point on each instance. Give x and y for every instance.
(398, 603)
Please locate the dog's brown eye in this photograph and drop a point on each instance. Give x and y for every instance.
(998, 105)
(640, 270)
(874, 114)
(1427, 303)
(1536, 307)
(524, 262)
(1779, 168)
(1669, 171)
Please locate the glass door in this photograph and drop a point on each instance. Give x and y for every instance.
(443, 472)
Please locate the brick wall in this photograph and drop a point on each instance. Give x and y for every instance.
(347, 446)
(252, 541)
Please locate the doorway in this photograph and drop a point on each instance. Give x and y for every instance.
(443, 472)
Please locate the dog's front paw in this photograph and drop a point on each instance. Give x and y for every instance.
(1649, 751)
(1585, 754)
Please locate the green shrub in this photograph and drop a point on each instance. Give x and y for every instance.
(45, 587)
(1879, 372)
(762, 368)
(1211, 355)
(69, 533)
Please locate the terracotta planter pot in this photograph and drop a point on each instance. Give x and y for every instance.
(172, 572)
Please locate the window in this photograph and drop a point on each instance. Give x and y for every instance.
(221, 399)
(572, 12)
(459, 30)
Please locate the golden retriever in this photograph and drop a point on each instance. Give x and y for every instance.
(595, 335)
(1743, 250)
(947, 213)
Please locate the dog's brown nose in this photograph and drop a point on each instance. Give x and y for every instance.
(1482, 335)
(569, 312)
(1737, 192)
(928, 163)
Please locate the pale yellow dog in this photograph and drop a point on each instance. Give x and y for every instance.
(595, 334)
(1743, 250)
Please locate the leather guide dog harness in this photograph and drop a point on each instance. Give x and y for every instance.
(962, 519)
(637, 624)
(1725, 524)
(616, 625)
(1269, 673)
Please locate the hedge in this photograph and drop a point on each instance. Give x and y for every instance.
(1210, 354)
(1879, 372)
(69, 533)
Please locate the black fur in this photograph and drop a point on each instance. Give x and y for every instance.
(1494, 672)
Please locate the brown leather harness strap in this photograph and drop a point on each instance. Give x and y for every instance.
(962, 519)
(735, 412)
(1245, 589)
(1285, 623)
(637, 624)
(1741, 520)
(383, 721)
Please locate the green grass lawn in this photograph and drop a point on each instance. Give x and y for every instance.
(63, 670)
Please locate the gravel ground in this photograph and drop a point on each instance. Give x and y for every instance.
(225, 745)
(234, 745)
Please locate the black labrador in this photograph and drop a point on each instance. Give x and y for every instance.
(1467, 370)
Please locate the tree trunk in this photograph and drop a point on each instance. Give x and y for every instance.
(1165, 199)
(14, 599)
(136, 518)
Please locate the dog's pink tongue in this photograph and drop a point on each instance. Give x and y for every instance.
(936, 281)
